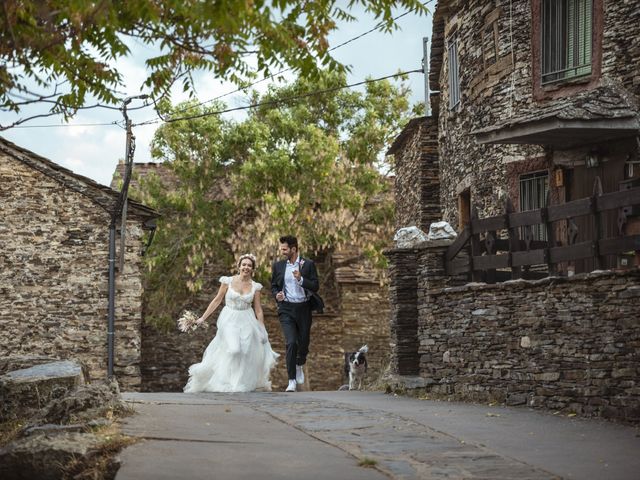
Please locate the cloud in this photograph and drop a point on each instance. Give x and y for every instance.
(95, 151)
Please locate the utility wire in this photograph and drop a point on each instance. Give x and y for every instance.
(67, 125)
(241, 89)
(346, 42)
(276, 101)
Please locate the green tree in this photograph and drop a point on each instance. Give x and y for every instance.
(192, 195)
(68, 48)
(314, 167)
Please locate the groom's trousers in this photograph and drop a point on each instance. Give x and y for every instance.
(295, 320)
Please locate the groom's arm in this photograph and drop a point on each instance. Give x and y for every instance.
(275, 288)
(310, 278)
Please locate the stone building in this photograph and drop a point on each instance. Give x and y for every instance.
(356, 313)
(54, 267)
(536, 102)
(536, 99)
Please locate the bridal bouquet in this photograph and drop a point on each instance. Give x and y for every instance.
(187, 322)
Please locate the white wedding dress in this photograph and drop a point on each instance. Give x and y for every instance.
(239, 358)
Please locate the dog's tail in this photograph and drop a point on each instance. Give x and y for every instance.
(364, 349)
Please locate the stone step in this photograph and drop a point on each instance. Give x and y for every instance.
(24, 392)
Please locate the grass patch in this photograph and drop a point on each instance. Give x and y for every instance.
(101, 465)
(9, 431)
(368, 462)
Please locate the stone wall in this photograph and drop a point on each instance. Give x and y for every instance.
(417, 184)
(53, 275)
(571, 345)
(403, 295)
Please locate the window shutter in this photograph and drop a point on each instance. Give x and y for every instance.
(566, 39)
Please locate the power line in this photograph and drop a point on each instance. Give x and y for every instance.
(157, 120)
(276, 101)
(67, 125)
(357, 37)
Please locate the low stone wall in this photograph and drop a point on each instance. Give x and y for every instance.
(568, 344)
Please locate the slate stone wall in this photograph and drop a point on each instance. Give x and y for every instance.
(417, 183)
(54, 274)
(570, 344)
(567, 344)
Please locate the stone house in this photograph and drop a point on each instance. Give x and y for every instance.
(54, 267)
(357, 312)
(536, 102)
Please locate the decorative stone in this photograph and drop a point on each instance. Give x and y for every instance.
(525, 342)
(84, 403)
(30, 389)
(409, 237)
(441, 231)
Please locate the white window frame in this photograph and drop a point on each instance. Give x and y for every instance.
(454, 74)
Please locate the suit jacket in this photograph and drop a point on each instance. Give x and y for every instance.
(310, 281)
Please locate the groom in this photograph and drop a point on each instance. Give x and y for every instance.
(294, 284)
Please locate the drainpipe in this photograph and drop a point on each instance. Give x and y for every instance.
(425, 71)
(117, 213)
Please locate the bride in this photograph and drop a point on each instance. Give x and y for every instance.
(239, 358)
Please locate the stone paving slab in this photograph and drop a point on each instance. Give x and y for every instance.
(570, 447)
(407, 438)
(403, 448)
(223, 438)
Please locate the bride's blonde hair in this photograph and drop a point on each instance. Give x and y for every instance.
(250, 256)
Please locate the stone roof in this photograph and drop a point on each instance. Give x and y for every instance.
(406, 131)
(607, 102)
(143, 170)
(101, 195)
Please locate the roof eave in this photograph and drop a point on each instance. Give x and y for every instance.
(560, 133)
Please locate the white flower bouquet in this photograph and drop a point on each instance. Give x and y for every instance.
(187, 322)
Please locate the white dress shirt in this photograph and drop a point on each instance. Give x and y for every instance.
(293, 290)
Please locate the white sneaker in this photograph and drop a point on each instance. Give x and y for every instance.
(299, 374)
(292, 386)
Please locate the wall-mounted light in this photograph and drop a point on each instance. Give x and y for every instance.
(592, 160)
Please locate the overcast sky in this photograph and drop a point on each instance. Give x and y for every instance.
(94, 151)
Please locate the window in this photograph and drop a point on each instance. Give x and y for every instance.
(454, 81)
(566, 39)
(533, 195)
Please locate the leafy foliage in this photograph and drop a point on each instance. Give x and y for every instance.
(310, 168)
(68, 48)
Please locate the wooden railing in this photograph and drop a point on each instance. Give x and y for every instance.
(491, 258)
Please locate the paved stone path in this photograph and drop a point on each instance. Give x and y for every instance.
(331, 434)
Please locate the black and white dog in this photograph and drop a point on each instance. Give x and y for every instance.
(355, 366)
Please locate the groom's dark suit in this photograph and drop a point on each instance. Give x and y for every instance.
(295, 318)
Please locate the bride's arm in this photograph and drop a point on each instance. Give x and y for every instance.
(215, 303)
(257, 307)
